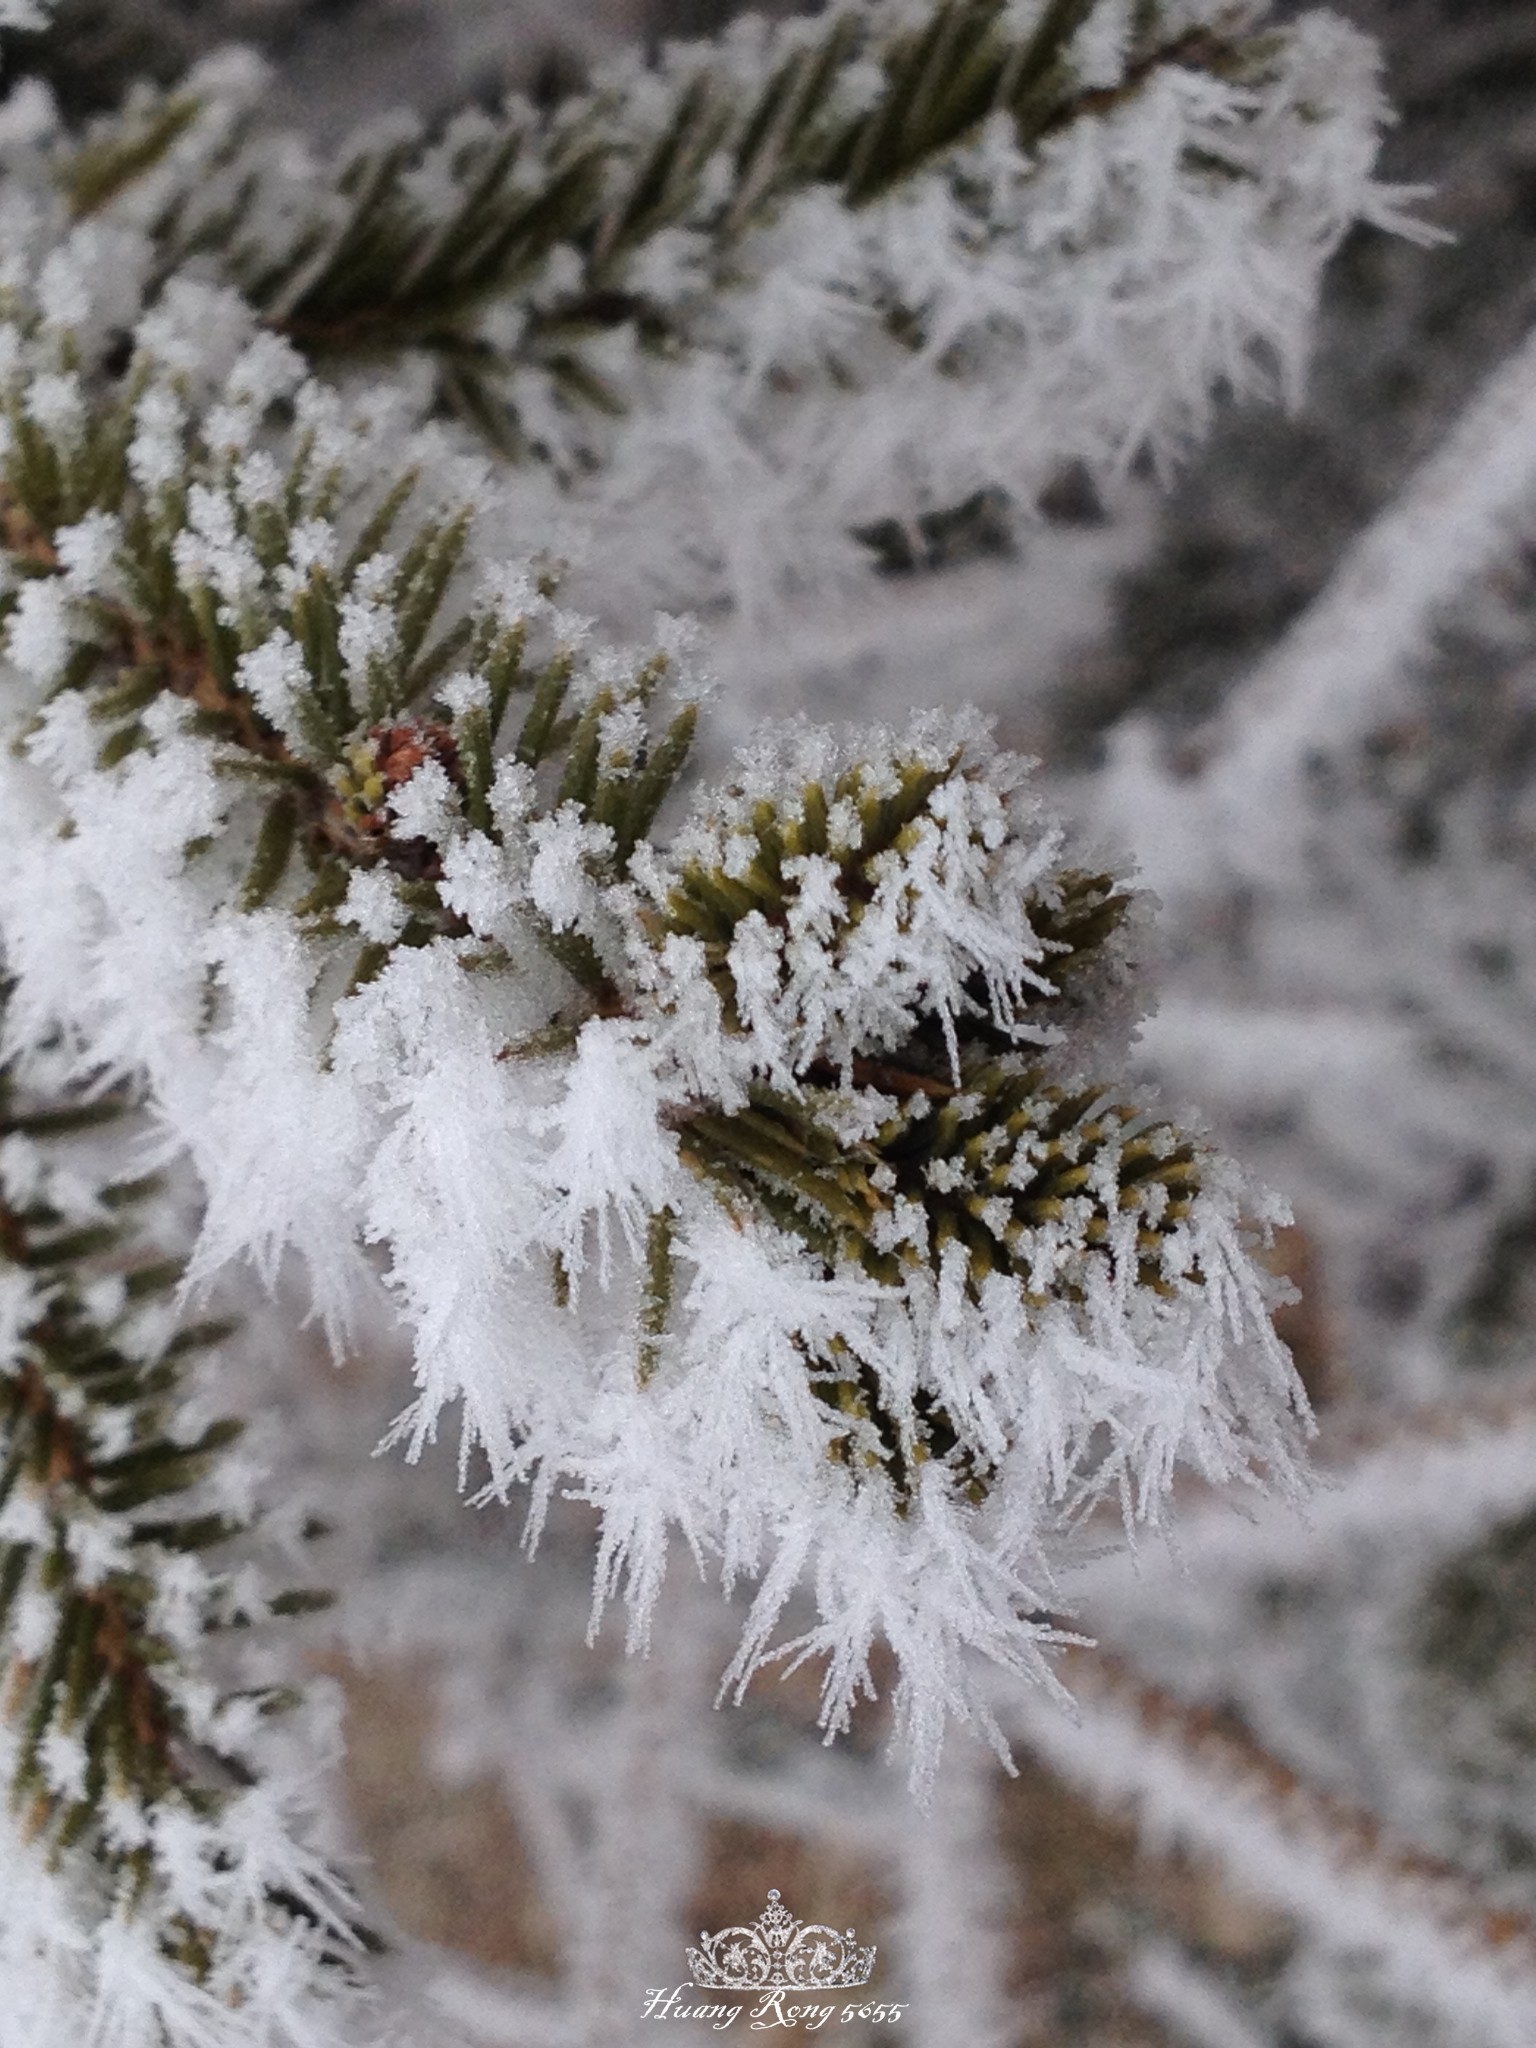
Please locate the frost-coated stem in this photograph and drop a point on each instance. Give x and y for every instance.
(1453, 519)
(951, 1939)
(1346, 658)
(1330, 1865)
(1189, 2000)
(1442, 1477)
(644, 1837)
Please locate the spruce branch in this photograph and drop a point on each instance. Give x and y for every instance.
(352, 656)
(125, 1551)
(423, 232)
(732, 227)
(852, 1030)
(929, 1128)
(921, 1132)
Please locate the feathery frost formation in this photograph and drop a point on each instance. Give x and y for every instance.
(767, 1182)
(816, 277)
(163, 1875)
(772, 1185)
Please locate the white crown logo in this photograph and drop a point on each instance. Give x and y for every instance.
(779, 1949)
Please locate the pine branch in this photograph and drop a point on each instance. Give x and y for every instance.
(951, 1148)
(326, 740)
(849, 1037)
(357, 735)
(549, 264)
(121, 1550)
(603, 183)
(101, 169)
(854, 1016)
(998, 1159)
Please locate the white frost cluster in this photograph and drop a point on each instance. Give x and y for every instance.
(828, 367)
(94, 1950)
(982, 326)
(23, 14)
(77, 1966)
(512, 1139)
(948, 903)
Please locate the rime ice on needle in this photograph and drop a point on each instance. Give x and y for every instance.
(762, 294)
(164, 1871)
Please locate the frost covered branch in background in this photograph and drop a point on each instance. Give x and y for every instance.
(820, 277)
(1343, 669)
(164, 1872)
(1432, 1941)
